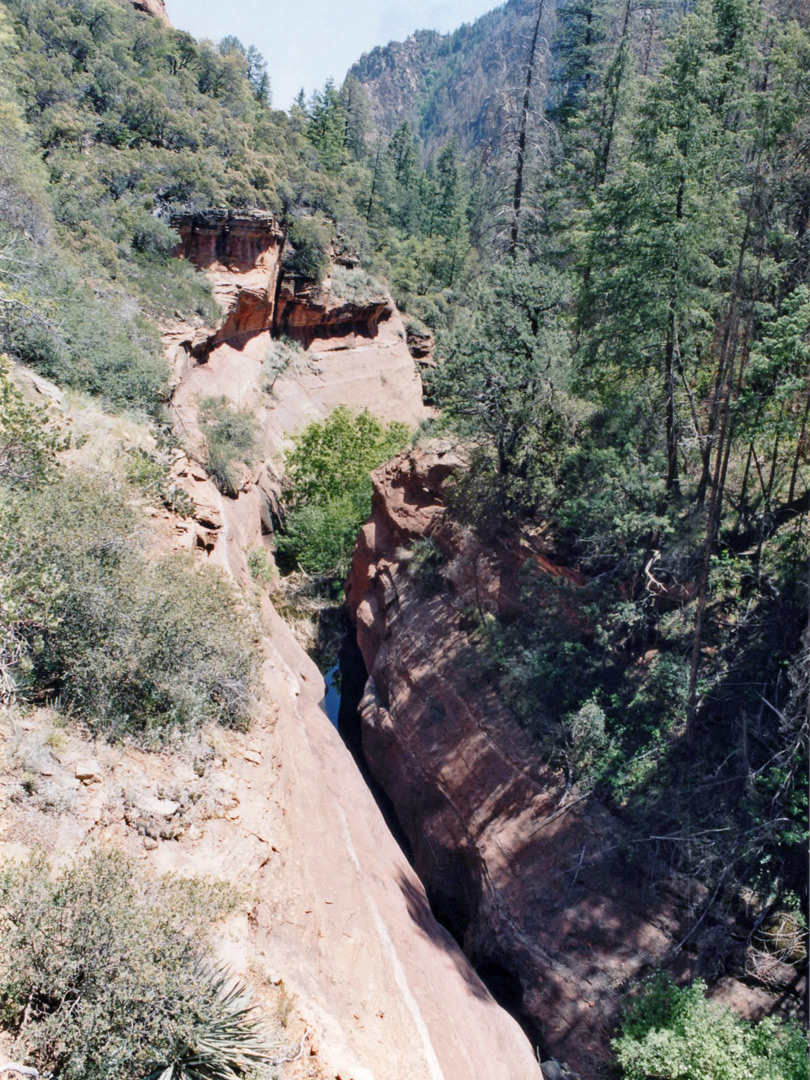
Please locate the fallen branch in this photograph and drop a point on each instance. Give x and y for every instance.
(23, 1070)
(285, 1060)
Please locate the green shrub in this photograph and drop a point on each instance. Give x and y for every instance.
(230, 436)
(587, 741)
(333, 457)
(28, 440)
(283, 357)
(356, 285)
(136, 646)
(675, 1033)
(319, 538)
(170, 287)
(260, 565)
(329, 488)
(98, 344)
(105, 974)
(146, 471)
(306, 254)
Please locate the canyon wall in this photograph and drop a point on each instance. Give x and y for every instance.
(340, 915)
(344, 352)
(556, 906)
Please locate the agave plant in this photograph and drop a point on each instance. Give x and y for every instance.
(224, 1043)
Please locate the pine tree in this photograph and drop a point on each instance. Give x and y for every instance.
(657, 240)
(327, 127)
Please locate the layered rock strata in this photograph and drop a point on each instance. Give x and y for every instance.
(348, 353)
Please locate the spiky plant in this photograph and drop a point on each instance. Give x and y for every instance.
(224, 1041)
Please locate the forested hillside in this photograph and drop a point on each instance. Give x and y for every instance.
(461, 85)
(630, 358)
(596, 224)
(636, 365)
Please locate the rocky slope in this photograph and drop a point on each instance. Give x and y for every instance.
(555, 909)
(335, 932)
(461, 85)
(341, 913)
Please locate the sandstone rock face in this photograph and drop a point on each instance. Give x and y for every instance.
(350, 354)
(309, 312)
(332, 928)
(333, 915)
(339, 914)
(241, 254)
(155, 8)
(531, 879)
(229, 240)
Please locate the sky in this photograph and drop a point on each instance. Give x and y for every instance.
(306, 42)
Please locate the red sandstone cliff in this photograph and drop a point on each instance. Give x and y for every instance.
(534, 881)
(349, 353)
(333, 929)
(387, 988)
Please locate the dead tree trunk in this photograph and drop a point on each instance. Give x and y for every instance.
(517, 198)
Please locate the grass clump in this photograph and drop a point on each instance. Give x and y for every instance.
(229, 435)
(260, 565)
(106, 975)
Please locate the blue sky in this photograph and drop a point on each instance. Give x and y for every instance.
(305, 43)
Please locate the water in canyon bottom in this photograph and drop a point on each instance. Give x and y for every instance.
(331, 695)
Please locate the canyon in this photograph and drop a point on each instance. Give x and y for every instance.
(519, 912)
(368, 929)
(555, 906)
(335, 930)
(570, 732)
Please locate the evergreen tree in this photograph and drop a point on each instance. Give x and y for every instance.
(327, 127)
(504, 375)
(658, 240)
(356, 112)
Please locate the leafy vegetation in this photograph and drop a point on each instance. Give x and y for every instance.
(135, 646)
(617, 369)
(306, 255)
(619, 286)
(675, 1033)
(329, 488)
(106, 974)
(28, 438)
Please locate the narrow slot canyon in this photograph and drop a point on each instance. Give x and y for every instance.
(450, 884)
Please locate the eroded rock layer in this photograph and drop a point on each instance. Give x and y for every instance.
(348, 353)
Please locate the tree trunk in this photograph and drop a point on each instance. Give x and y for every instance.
(799, 447)
(610, 108)
(517, 197)
(673, 485)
